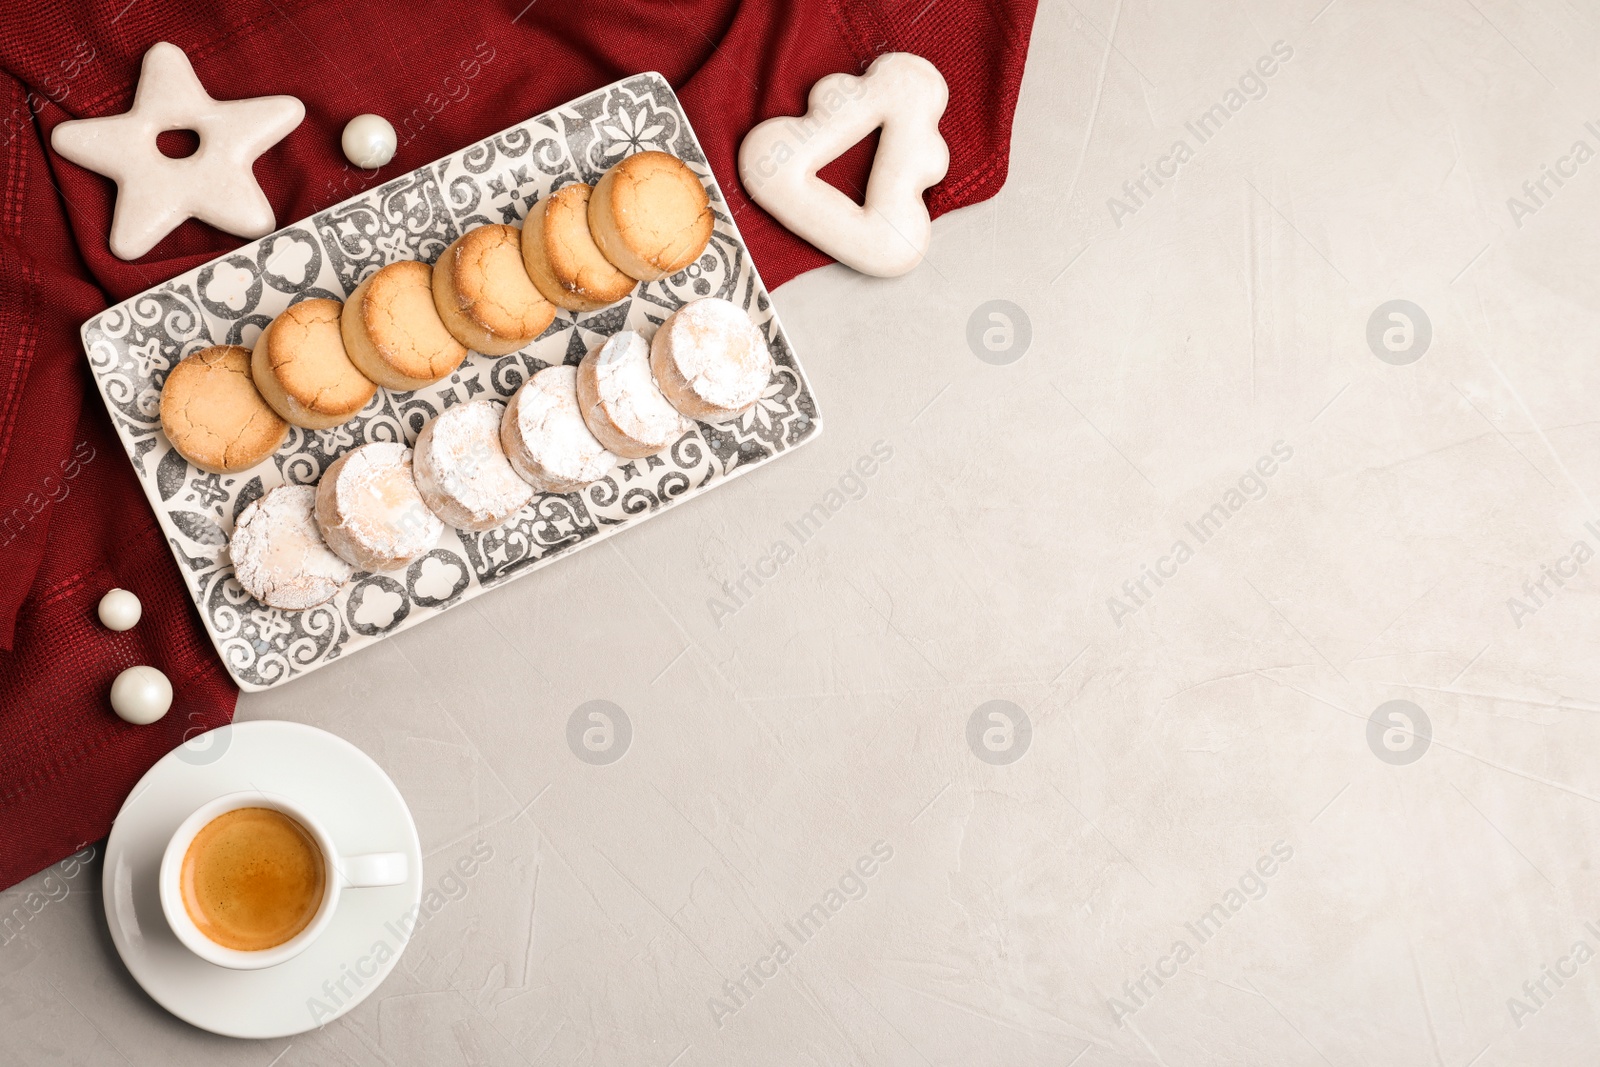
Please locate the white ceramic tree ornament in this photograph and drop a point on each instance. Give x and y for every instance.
(156, 193)
(888, 234)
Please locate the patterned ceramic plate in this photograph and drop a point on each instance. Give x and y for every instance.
(133, 345)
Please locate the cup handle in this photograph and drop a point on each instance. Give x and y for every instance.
(374, 869)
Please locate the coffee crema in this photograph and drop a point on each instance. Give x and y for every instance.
(252, 878)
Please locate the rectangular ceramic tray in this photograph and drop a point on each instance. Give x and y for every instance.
(133, 345)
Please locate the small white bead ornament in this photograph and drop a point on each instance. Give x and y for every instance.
(120, 610)
(141, 695)
(368, 141)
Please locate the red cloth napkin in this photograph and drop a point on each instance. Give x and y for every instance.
(74, 522)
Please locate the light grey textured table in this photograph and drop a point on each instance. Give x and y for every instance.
(1208, 853)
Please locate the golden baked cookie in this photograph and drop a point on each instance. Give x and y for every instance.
(566, 266)
(484, 295)
(214, 415)
(303, 371)
(393, 332)
(650, 215)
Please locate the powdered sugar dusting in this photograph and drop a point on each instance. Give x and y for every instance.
(378, 520)
(719, 351)
(628, 392)
(278, 555)
(462, 472)
(545, 435)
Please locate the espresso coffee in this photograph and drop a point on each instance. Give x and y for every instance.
(252, 878)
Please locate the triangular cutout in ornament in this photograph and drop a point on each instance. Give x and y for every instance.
(842, 171)
(888, 234)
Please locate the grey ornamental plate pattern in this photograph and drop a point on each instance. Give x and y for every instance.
(133, 345)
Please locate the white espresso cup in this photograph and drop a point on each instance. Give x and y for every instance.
(340, 872)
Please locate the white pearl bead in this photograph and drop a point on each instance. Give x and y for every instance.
(368, 141)
(141, 695)
(120, 610)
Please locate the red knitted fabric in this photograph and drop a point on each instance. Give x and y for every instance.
(73, 521)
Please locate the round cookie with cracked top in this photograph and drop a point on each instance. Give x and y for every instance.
(710, 360)
(563, 261)
(620, 401)
(370, 511)
(301, 367)
(545, 437)
(393, 332)
(278, 555)
(215, 416)
(484, 295)
(650, 215)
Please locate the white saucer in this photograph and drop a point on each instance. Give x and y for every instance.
(363, 811)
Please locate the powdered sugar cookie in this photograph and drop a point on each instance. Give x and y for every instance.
(279, 557)
(545, 437)
(462, 471)
(710, 360)
(369, 509)
(620, 401)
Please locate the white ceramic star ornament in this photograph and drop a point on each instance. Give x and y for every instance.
(156, 193)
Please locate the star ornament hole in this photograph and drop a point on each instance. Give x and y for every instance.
(178, 144)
